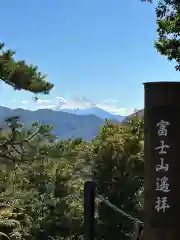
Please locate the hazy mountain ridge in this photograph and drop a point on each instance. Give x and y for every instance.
(65, 124)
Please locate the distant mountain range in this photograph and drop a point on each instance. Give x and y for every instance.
(82, 106)
(70, 119)
(95, 111)
(65, 124)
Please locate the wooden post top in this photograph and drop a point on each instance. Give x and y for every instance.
(161, 93)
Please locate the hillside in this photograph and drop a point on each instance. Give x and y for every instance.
(65, 124)
(139, 114)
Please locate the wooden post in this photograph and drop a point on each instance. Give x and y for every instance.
(89, 210)
(162, 161)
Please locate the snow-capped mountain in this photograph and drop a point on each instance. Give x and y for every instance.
(82, 106)
(94, 111)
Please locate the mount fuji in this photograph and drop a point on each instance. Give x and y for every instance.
(82, 106)
(70, 119)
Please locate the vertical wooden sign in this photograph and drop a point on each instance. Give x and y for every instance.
(162, 161)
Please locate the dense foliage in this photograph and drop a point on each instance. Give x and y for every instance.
(41, 180)
(168, 22)
(168, 29)
(20, 75)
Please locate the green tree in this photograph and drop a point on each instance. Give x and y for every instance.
(168, 29)
(118, 173)
(19, 152)
(20, 75)
(40, 181)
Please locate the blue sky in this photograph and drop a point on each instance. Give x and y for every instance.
(100, 49)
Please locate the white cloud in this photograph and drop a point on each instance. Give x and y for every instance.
(61, 99)
(51, 106)
(43, 101)
(110, 100)
(116, 110)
